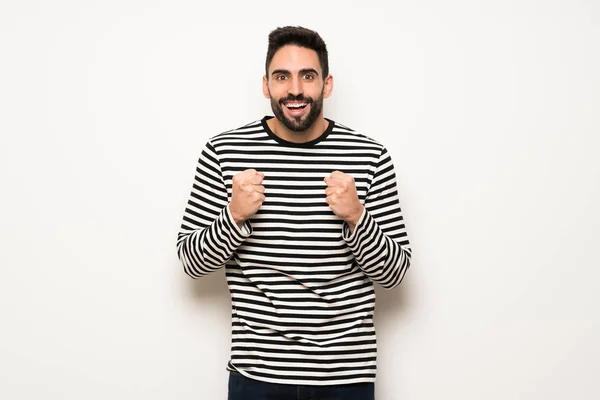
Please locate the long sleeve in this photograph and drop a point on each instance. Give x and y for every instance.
(379, 242)
(208, 236)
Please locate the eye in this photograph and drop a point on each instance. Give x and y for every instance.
(281, 77)
(308, 77)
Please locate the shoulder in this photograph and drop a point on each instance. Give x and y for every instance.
(251, 131)
(242, 131)
(343, 133)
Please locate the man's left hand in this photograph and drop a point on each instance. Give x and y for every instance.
(343, 198)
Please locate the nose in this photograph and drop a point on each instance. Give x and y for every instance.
(295, 87)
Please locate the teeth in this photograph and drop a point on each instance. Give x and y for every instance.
(296, 105)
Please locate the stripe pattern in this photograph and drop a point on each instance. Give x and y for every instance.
(301, 283)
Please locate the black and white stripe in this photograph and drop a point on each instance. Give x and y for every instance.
(301, 284)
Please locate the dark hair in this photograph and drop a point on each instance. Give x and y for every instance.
(298, 36)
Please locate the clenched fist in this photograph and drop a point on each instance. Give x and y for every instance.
(343, 198)
(247, 195)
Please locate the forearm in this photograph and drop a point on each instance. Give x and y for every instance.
(205, 250)
(384, 257)
(379, 240)
(209, 235)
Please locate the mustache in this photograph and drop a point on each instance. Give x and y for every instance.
(299, 98)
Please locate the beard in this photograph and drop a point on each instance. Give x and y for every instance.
(301, 123)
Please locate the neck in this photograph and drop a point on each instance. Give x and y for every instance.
(315, 131)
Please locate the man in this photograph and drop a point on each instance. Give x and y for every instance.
(303, 212)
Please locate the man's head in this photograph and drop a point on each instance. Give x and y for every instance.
(297, 76)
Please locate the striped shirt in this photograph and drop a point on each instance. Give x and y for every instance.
(301, 282)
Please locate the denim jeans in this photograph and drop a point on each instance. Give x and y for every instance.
(242, 388)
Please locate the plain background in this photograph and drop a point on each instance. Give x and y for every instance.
(490, 110)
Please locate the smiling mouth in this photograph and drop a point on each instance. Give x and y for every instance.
(294, 106)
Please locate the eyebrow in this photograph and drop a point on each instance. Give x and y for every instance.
(302, 71)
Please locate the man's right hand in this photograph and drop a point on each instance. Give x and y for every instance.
(247, 195)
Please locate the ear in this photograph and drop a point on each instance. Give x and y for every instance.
(327, 86)
(265, 87)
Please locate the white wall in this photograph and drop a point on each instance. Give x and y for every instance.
(491, 113)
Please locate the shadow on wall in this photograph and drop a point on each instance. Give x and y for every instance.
(394, 302)
(211, 289)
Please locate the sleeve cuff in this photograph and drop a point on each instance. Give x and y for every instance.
(246, 229)
(351, 236)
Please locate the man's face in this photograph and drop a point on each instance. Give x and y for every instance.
(296, 87)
